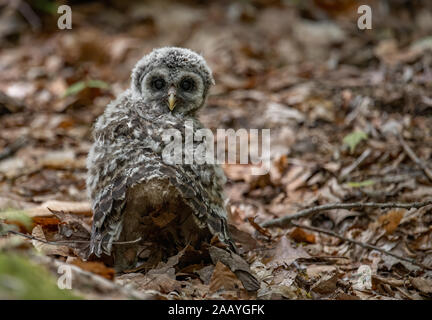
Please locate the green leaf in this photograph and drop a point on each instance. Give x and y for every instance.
(75, 88)
(353, 139)
(46, 6)
(360, 184)
(17, 215)
(97, 84)
(81, 85)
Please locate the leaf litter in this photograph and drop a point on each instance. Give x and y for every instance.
(342, 106)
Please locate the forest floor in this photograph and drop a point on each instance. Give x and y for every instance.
(350, 118)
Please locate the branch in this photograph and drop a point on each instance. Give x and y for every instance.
(286, 220)
(13, 148)
(414, 157)
(65, 242)
(362, 244)
(346, 171)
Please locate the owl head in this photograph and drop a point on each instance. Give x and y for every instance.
(175, 80)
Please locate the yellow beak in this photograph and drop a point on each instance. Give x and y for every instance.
(171, 98)
(171, 102)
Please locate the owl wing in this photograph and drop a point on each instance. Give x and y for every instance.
(203, 195)
(205, 201)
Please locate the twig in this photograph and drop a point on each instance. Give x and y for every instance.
(361, 244)
(286, 220)
(65, 242)
(346, 171)
(414, 157)
(27, 12)
(13, 148)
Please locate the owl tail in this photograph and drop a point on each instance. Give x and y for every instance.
(102, 241)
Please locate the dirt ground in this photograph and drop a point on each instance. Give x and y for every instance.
(350, 118)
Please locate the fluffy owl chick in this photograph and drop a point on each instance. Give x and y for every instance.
(135, 193)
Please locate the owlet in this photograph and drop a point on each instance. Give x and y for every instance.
(135, 192)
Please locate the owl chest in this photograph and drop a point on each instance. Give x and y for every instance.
(165, 137)
(172, 143)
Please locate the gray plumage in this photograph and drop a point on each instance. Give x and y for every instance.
(128, 180)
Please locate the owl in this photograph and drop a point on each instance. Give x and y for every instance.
(135, 192)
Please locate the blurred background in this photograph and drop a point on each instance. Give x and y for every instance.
(341, 103)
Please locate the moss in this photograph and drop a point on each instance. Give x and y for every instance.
(22, 279)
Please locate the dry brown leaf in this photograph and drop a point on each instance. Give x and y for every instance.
(326, 285)
(422, 284)
(391, 219)
(238, 172)
(284, 253)
(300, 235)
(161, 282)
(206, 273)
(388, 51)
(95, 267)
(315, 271)
(223, 278)
(47, 208)
(162, 219)
(246, 241)
(237, 265)
(46, 248)
(46, 222)
(258, 228)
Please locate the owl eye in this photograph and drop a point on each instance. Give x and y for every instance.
(158, 84)
(187, 84)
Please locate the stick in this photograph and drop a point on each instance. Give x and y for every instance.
(13, 148)
(346, 171)
(27, 12)
(414, 157)
(65, 242)
(284, 221)
(361, 244)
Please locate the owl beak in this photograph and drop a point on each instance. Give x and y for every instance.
(171, 98)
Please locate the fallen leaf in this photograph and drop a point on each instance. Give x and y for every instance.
(258, 228)
(95, 267)
(300, 235)
(391, 219)
(48, 207)
(206, 273)
(246, 241)
(223, 278)
(422, 284)
(162, 219)
(326, 285)
(316, 271)
(284, 253)
(163, 283)
(48, 249)
(237, 265)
